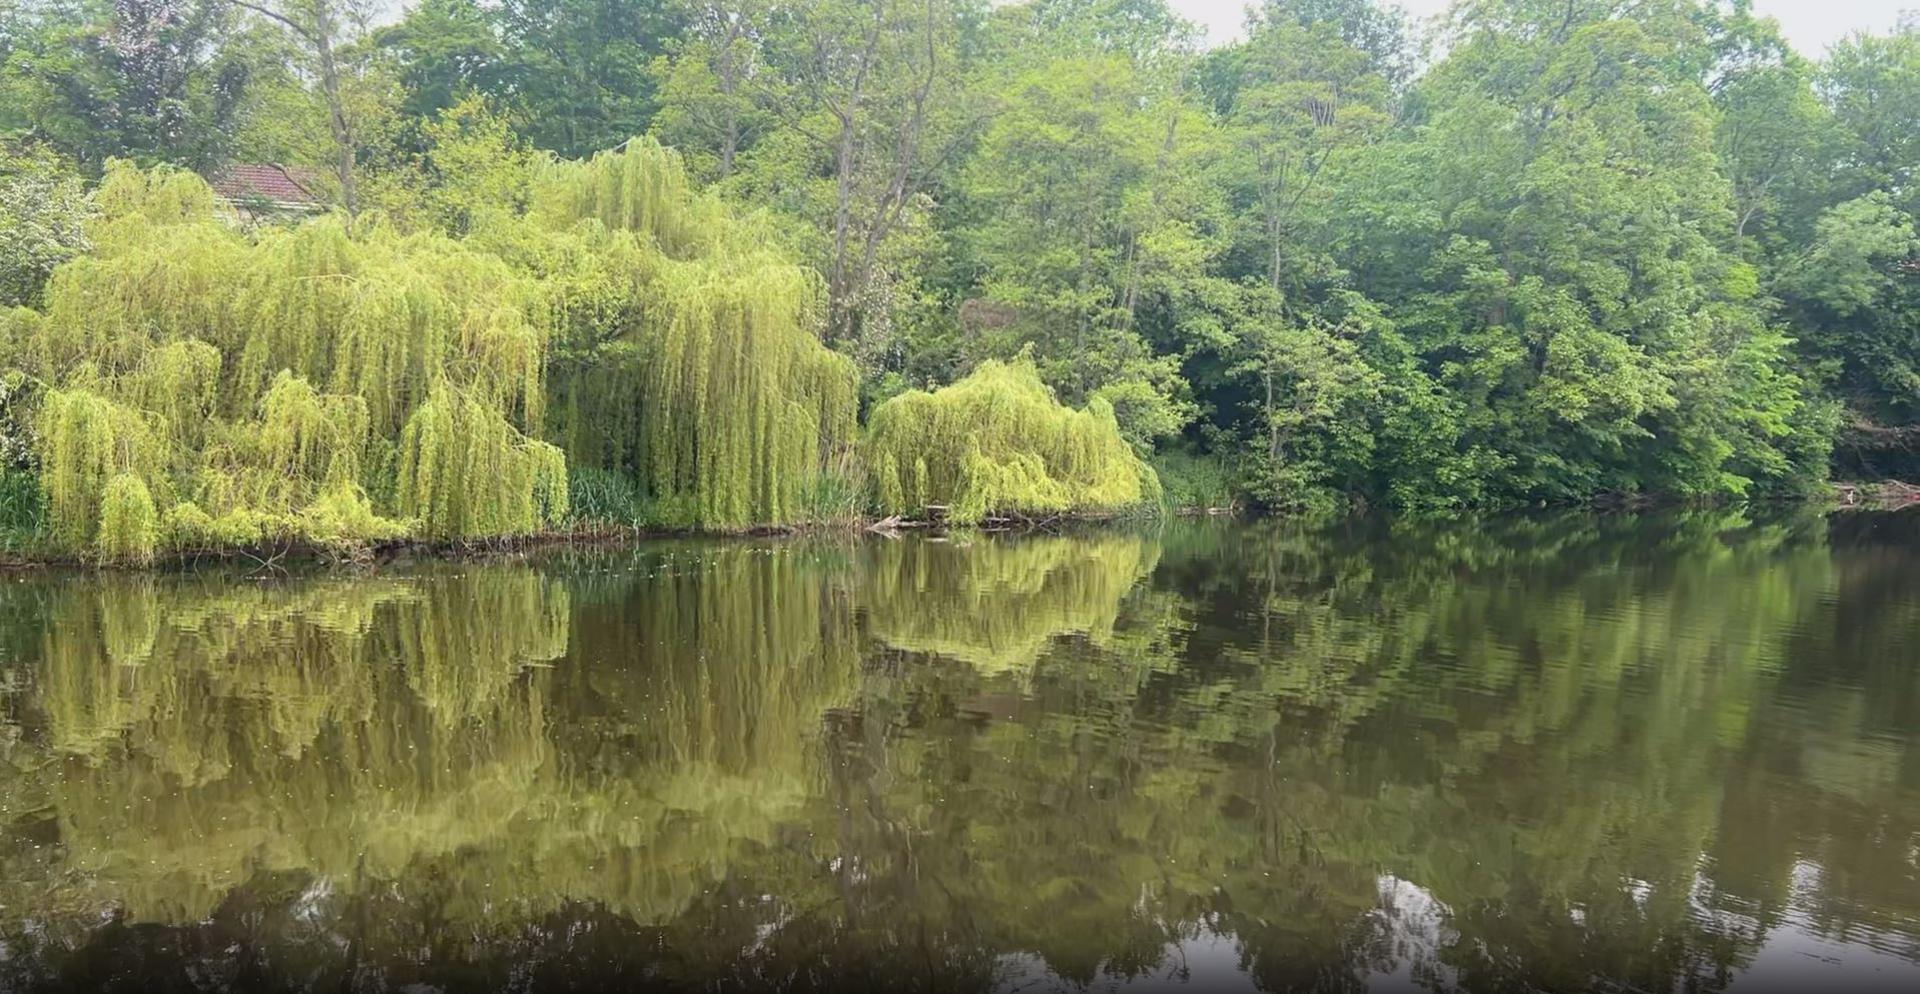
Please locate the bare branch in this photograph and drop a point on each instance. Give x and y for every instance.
(291, 24)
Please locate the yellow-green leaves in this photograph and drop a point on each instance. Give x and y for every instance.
(998, 441)
(340, 383)
(239, 388)
(86, 440)
(465, 472)
(129, 528)
(699, 370)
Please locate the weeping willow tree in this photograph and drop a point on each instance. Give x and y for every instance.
(209, 386)
(339, 383)
(998, 441)
(689, 356)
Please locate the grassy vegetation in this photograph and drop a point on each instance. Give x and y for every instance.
(1192, 480)
(23, 513)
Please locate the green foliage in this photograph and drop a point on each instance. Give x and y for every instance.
(22, 509)
(19, 399)
(998, 442)
(340, 383)
(1854, 289)
(1587, 251)
(1093, 207)
(465, 472)
(152, 80)
(1871, 85)
(43, 214)
(87, 440)
(312, 382)
(1195, 480)
(574, 75)
(603, 497)
(837, 496)
(1848, 268)
(129, 527)
(1572, 353)
(471, 171)
(693, 360)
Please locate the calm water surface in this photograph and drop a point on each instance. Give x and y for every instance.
(1672, 752)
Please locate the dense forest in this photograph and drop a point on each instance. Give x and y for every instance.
(722, 264)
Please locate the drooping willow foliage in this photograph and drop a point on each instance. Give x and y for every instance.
(208, 386)
(345, 383)
(688, 355)
(998, 441)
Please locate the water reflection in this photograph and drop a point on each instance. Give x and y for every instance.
(997, 605)
(1514, 753)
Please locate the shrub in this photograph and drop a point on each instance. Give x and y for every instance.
(998, 441)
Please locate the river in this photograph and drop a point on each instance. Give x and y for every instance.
(1664, 751)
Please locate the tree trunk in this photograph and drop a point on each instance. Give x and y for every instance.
(323, 28)
(906, 154)
(837, 289)
(844, 163)
(319, 34)
(730, 87)
(1273, 424)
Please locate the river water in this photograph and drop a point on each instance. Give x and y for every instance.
(1653, 752)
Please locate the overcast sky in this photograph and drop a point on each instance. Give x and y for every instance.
(1811, 25)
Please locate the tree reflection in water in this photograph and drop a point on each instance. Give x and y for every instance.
(1503, 753)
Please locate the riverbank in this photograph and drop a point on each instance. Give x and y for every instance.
(279, 555)
(282, 555)
(23, 555)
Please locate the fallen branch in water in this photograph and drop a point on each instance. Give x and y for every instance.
(1886, 493)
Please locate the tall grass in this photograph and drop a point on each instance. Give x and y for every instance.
(23, 511)
(835, 498)
(1191, 480)
(599, 498)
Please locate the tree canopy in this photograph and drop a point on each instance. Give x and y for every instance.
(1523, 253)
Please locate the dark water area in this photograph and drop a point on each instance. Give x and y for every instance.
(1629, 753)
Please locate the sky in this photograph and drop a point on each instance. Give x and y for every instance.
(1810, 25)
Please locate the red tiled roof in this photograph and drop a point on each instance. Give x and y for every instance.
(279, 184)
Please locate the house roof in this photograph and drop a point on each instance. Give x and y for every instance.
(266, 181)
